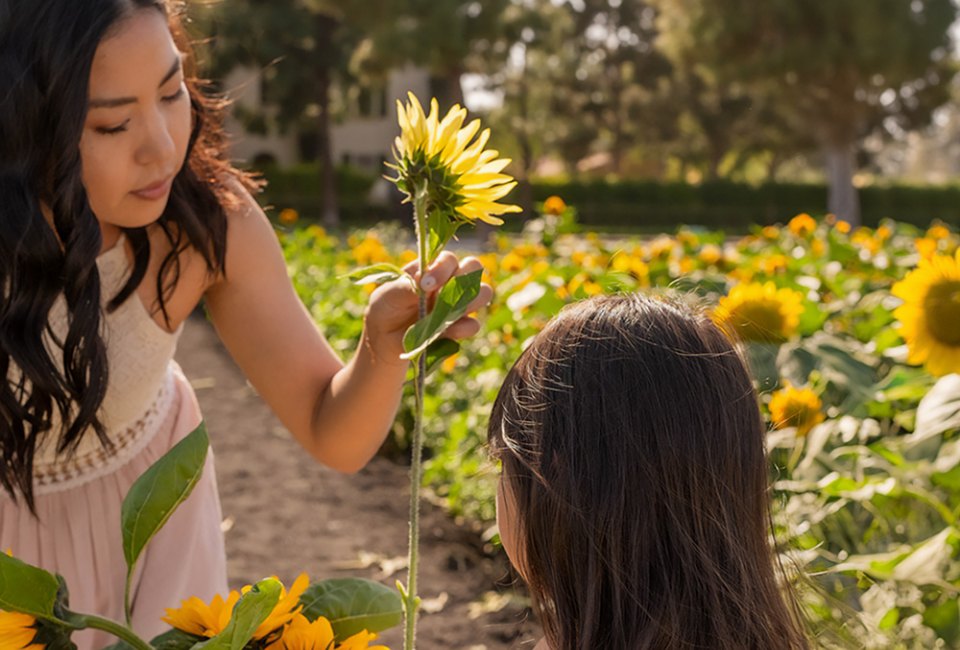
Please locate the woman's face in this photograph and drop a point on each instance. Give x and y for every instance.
(138, 124)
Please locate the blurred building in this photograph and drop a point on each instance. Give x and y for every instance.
(363, 138)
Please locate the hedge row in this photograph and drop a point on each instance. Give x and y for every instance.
(644, 205)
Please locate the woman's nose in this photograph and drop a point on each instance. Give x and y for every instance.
(157, 145)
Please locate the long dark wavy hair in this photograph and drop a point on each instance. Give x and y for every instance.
(46, 52)
(633, 452)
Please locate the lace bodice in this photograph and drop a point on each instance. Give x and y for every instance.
(139, 388)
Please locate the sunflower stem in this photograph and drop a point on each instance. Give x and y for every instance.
(419, 373)
(114, 628)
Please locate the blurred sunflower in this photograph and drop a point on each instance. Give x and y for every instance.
(554, 205)
(370, 250)
(795, 407)
(760, 312)
(802, 225)
(938, 231)
(18, 631)
(463, 179)
(289, 216)
(302, 634)
(926, 246)
(930, 314)
(770, 232)
(711, 254)
(196, 617)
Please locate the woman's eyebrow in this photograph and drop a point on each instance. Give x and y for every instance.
(122, 101)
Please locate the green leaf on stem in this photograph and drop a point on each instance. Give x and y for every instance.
(251, 610)
(376, 274)
(157, 493)
(438, 351)
(353, 605)
(452, 303)
(26, 589)
(173, 639)
(442, 229)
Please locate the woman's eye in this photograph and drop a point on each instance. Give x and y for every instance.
(175, 96)
(113, 129)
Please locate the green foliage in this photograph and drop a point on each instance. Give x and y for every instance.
(27, 589)
(155, 495)
(353, 605)
(646, 205)
(251, 610)
(451, 303)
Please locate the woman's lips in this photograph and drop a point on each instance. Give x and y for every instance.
(154, 191)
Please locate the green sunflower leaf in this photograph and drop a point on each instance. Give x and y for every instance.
(170, 640)
(353, 605)
(157, 493)
(251, 610)
(440, 350)
(376, 273)
(452, 303)
(442, 229)
(26, 589)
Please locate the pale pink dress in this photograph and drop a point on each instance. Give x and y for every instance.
(149, 407)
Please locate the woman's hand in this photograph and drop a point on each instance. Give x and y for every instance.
(393, 306)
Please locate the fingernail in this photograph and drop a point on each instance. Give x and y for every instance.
(428, 283)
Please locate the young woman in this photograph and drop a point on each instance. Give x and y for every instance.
(118, 214)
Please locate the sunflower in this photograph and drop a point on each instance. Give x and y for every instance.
(554, 205)
(18, 631)
(760, 312)
(289, 216)
(463, 179)
(795, 407)
(930, 313)
(196, 617)
(200, 619)
(711, 254)
(802, 225)
(301, 634)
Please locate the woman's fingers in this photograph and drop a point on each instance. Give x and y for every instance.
(442, 269)
(463, 328)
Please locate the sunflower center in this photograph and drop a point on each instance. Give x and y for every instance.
(759, 321)
(942, 308)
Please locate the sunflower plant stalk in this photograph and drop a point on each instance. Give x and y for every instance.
(445, 170)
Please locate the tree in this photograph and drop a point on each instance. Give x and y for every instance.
(614, 87)
(301, 45)
(529, 64)
(731, 124)
(845, 67)
(447, 37)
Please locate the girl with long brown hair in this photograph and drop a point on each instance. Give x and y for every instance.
(634, 498)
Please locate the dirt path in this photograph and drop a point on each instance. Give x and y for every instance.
(285, 514)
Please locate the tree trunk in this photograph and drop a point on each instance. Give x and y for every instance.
(454, 86)
(773, 167)
(524, 189)
(843, 199)
(330, 209)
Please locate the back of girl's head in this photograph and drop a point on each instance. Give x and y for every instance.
(633, 454)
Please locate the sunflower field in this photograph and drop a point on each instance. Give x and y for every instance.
(853, 337)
